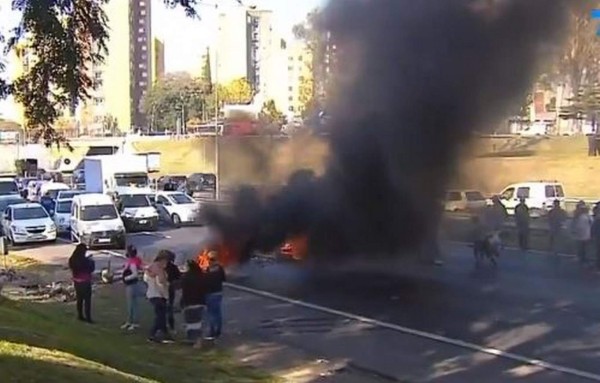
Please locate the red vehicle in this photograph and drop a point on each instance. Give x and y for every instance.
(240, 128)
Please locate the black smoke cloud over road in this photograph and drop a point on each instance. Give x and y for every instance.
(417, 78)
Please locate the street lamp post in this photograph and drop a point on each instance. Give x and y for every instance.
(217, 109)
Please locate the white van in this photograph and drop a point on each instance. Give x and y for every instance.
(96, 222)
(539, 196)
(52, 189)
(137, 209)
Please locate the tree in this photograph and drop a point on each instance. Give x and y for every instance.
(206, 73)
(307, 95)
(238, 91)
(579, 64)
(173, 96)
(584, 105)
(66, 37)
(269, 114)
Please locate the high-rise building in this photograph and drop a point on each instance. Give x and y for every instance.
(125, 76)
(300, 81)
(248, 47)
(158, 59)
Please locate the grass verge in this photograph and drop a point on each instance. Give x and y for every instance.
(42, 342)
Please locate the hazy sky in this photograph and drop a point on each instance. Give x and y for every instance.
(186, 39)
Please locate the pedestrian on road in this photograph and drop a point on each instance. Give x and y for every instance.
(82, 268)
(214, 277)
(581, 230)
(157, 293)
(557, 217)
(134, 288)
(193, 301)
(596, 237)
(522, 220)
(174, 280)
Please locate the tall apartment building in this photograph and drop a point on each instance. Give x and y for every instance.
(126, 75)
(299, 78)
(249, 47)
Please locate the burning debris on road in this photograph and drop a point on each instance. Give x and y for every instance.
(419, 78)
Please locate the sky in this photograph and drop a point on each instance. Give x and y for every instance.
(186, 39)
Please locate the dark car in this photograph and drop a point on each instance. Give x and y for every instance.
(200, 183)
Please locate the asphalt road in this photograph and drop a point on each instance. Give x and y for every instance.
(533, 304)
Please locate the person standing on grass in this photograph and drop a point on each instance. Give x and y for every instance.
(193, 301)
(522, 221)
(133, 287)
(157, 293)
(214, 277)
(82, 268)
(174, 280)
(557, 217)
(581, 230)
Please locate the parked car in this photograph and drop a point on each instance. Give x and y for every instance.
(200, 183)
(27, 223)
(96, 222)
(137, 210)
(8, 186)
(62, 215)
(177, 207)
(464, 200)
(539, 196)
(8, 200)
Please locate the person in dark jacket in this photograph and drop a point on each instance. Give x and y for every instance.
(557, 217)
(174, 279)
(193, 301)
(48, 203)
(82, 268)
(214, 279)
(522, 221)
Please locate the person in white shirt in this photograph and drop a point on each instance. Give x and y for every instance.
(157, 293)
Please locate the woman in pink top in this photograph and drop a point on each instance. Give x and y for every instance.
(82, 268)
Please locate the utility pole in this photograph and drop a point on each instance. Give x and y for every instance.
(217, 109)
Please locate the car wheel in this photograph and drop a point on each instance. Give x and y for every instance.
(176, 220)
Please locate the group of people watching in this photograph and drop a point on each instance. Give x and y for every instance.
(200, 298)
(583, 228)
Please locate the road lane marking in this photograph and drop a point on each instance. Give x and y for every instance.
(422, 334)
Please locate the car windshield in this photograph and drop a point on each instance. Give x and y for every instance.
(29, 213)
(474, 196)
(53, 193)
(453, 196)
(98, 213)
(134, 200)
(8, 187)
(6, 202)
(64, 206)
(180, 198)
(134, 179)
(68, 194)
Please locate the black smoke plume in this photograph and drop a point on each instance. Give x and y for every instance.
(417, 77)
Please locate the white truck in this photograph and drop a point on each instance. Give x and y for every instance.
(104, 174)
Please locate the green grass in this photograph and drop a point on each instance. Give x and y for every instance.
(42, 342)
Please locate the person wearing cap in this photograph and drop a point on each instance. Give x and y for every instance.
(157, 293)
(214, 278)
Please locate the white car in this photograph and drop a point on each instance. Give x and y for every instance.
(539, 196)
(62, 215)
(464, 200)
(28, 223)
(177, 207)
(137, 209)
(8, 186)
